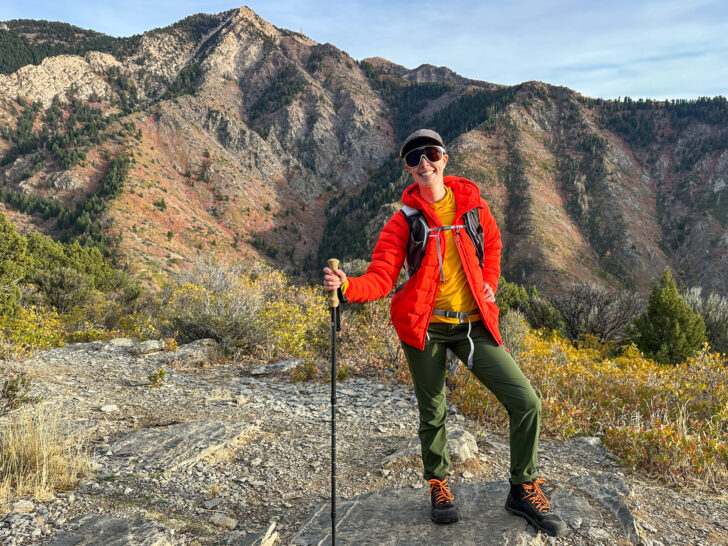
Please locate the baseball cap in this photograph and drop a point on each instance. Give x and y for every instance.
(421, 137)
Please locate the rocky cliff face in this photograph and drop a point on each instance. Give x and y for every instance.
(241, 134)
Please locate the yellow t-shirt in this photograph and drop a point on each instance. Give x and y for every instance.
(454, 294)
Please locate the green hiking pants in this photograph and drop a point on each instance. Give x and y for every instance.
(494, 368)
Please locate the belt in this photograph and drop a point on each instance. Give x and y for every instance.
(462, 316)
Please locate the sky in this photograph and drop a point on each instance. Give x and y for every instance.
(660, 49)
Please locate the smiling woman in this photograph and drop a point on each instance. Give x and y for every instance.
(448, 303)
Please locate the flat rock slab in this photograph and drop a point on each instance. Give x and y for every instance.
(402, 517)
(96, 529)
(181, 445)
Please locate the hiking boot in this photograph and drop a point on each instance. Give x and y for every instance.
(443, 509)
(527, 500)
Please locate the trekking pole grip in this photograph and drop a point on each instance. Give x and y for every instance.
(334, 294)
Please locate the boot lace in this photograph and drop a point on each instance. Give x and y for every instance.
(441, 490)
(534, 495)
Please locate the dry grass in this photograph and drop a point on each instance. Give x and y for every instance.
(36, 459)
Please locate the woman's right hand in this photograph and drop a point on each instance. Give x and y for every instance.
(333, 279)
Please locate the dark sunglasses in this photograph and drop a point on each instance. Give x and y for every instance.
(431, 153)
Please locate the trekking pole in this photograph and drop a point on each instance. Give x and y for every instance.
(335, 326)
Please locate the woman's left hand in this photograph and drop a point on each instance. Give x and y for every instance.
(489, 295)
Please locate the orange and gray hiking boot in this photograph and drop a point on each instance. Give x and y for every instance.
(443, 509)
(527, 500)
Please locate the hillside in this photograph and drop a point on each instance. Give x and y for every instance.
(224, 134)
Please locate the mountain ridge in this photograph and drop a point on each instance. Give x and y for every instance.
(264, 144)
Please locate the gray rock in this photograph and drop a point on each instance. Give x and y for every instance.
(196, 353)
(610, 490)
(146, 347)
(575, 510)
(121, 342)
(269, 537)
(460, 443)
(403, 518)
(276, 367)
(22, 507)
(210, 504)
(96, 529)
(221, 520)
(180, 445)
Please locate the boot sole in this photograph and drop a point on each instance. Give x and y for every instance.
(444, 517)
(533, 522)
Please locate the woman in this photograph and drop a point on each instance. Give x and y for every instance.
(449, 302)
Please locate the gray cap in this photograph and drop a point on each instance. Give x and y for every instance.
(419, 138)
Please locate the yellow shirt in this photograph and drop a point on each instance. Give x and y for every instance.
(454, 294)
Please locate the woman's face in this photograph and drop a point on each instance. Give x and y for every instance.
(429, 174)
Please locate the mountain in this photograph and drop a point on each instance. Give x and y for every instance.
(224, 134)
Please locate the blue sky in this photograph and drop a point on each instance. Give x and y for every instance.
(601, 48)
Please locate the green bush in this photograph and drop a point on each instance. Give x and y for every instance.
(539, 313)
(14, 260)
(670, 331)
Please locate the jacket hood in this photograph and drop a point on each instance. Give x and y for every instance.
(467, 195)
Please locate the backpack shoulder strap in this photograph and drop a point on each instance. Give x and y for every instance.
(417, 241)
(409, 211)
(474, 229)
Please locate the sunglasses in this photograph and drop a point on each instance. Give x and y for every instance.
(432, 154)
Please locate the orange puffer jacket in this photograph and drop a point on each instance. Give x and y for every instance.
(412, 306)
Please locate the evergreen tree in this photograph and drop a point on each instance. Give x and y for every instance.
(14, 260)
(670, 331)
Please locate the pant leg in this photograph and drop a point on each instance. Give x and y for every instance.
(495, 368)
(428, 371)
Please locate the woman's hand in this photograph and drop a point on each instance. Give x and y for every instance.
(333, 279)
(489, 295)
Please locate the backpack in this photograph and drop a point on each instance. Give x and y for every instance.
(420, 234)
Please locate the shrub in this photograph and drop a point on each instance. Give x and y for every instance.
(670, 331)
(306, 370)
(64, 288)
(244, 309)
(539, 313)
(510, 296)
(589, 308)
(31, 328)
(14, 260)
(714, 311)
(15, 393)
(369, 343)
(157, 378)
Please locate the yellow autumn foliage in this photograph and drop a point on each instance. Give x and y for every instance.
(31, 328)
(255, 309)
(669, 421)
